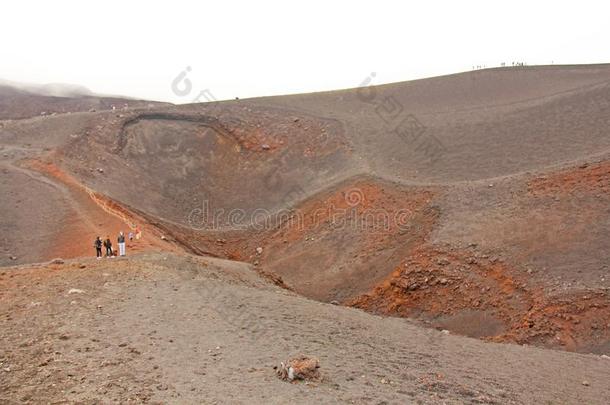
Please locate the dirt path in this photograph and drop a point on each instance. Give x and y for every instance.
(89, 214)
(62, 189)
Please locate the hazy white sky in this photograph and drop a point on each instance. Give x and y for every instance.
(255, 48)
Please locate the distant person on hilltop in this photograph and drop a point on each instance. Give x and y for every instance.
(108, 246)
(98, 247)
(121, 241)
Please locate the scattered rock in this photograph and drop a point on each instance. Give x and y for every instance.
(259, 250)
(13, 257)
(299, 368)
(75, 291)
(100, 170)
(443, 281)
(585, 383)
(57, 261)
(45, 362)
(334, 302)
(413, 287)
(443, 261)
(265, 146)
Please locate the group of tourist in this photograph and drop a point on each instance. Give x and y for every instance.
(107, 244)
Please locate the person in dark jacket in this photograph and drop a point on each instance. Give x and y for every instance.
(121, 241)
(108, 246)
(98, 247)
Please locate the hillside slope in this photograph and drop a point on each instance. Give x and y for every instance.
(178, 328)
(475, 202)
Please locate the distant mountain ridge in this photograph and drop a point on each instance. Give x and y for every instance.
(50, 89)
(26, 100)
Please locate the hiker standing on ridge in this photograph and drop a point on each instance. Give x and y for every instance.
(121, 241)
(108, 246)
(98, 247)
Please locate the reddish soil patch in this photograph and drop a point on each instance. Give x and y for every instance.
(594, 178)
(472, 293)
(340, 244)
(375, 208)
